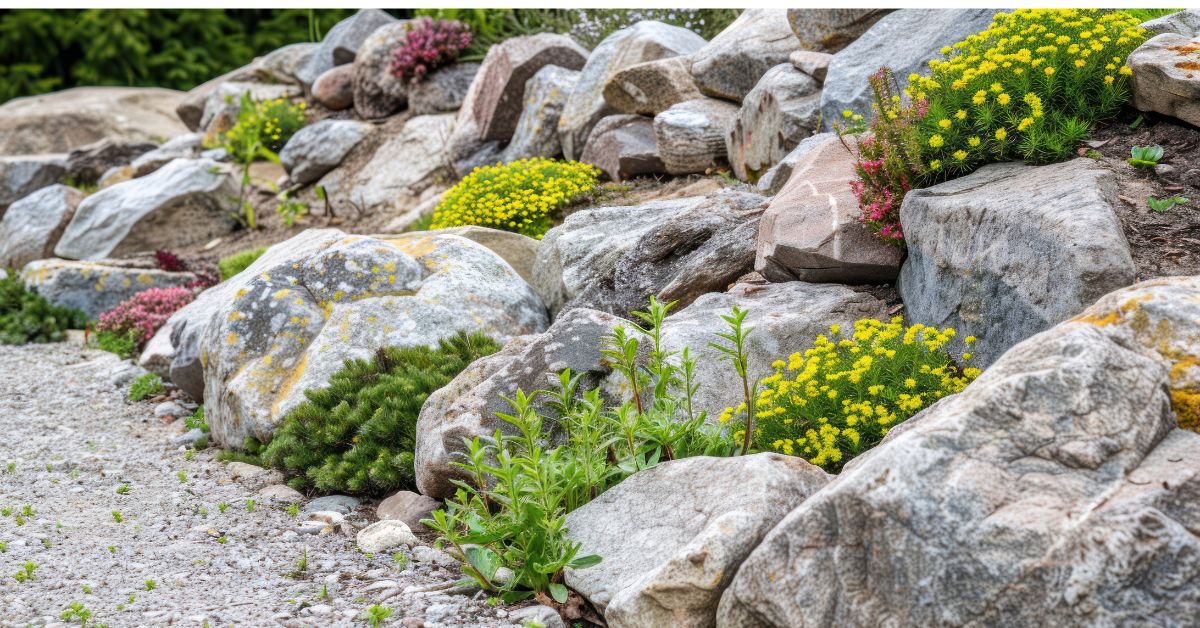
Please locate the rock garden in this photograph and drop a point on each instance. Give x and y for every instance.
(698, 317)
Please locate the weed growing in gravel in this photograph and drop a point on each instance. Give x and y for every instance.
(46, 543)
(1145, 156)
(301, 566)
(376, 614)
(27, 317)
(196, 421)
(19, 520)
(191, 453)
(3, 547)
(11, 467)
(27, 510)
(144, 387)
(222, 540)
(26, 572)
(249, 505)
(222, 506)
(400, 559)
(123, 489)
(116, 515)
(293, 510)
(182, 477)
(150, 585)
(76, 611)
(6, 511)
(112, 549)
(87, 590)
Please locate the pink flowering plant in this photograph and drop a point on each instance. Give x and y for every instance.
(129, 326)
(429, 45)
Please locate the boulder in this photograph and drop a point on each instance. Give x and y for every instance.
(443, 91)
(775, 178)
(22, 175)
(334, 89)
(277, 66)
(187, 146)
(31, 226)
(672, 537)
(781, 110)
(186, 202)
(651, 88)
(904, 40)
(614, 258)
(341, 44)
(518, 250)
(1054, 490)
(500, 82)
(87, 164)
(289, 325)
(190, 109)
(1186, 22)
(811, 230)
(623, 146)
(644, 41)
(814, 64)
(320, 147)
(382, 536)
(96, 287)
(60, 122)
(1010, 250)
(691, 135)
(377, 92)
(536, 134)
(731, 64)
(407, 507)
(282, 64)
(223, 104)
(1166, 76)
(404, 166)
(467, 406)
(830, 30)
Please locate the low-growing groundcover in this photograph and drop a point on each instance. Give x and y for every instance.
(27, 317)
(127, 328)
(357, 435)
(236, 263)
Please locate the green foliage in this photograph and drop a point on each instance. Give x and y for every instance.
(289, 209)
(196, 421)
(145, 386)
(251, 453)
(1145, 15)
(236, 263)
(1162, 205)
(27, 317)
(1145, 156)
(511, 513)
(376, 614)
(122, 343)
(357, 435)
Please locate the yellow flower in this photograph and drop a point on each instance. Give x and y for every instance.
(1049, 70)
(936, 141)
(1025, 124)
(960, 154)
(1004, 99)
(1125, 71)
(944, 123)
(960, 114)
(935, 164)
(1001, 134)
(1108, 80)
(973, 141)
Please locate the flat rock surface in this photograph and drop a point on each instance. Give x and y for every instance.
(58, 409)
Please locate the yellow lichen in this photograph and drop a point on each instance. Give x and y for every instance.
(279, 294)
(1186, 404)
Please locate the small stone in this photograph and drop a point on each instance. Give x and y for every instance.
(327, 517)
(1164, 170)
(385, 535)
(814, 64)
(335, 88)
(540, 615)
(170, 409)
(187, 439)
(443, 91)
(408, 507)
(336, 503)
(426, 554)
(241, 470)
(281, 492)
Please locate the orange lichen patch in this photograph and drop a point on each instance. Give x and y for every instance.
(415, 246)
(1188, 65)
(1114, 316)
(1186, 404)
(289, 383)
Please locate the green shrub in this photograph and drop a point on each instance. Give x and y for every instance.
(122, 343)
(236, 263)
(357, 435)
(27, 317)
(144, 387)
(522, 196)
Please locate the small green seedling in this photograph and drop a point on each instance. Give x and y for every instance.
(26, 572)
(301, 565)
(249, 505)
(117, 517)
(145, 386)
(376, 614)
(222, 540)
(150, 585)
(12, 467)
(46, 543)
(324, 593)
(222, 506)
(1164, 204)
(6, 511)
(401, 559)
(1145, 156)
(49, 467)
(123, 489)
(76, 611)
(182, 477)
(27, 511)
(87, 590)
(3, 547)
(191, 453)
(112, 549)
(293, 509)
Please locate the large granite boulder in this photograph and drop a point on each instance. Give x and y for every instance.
(320, 147)
(186, 202)
(777, 176)
(1166, 76)
(341, 44)
(644, 41)
(96, 287)
(60, 122)
(287, 327)
(671, 537)
(781, 110)
(830, 30)
(1186, 22)
(904, 41)
(614, 258)
(811, 230)
(691, 135)
(377, 92)
(31, 226)
(1054, 490)
(623, 147)
(1010, 250)
(21, 175)
(87, 164)
(536, 134)
(733, 62)
(467, 406)
(443, 91)
(403, 167)
(651, 88)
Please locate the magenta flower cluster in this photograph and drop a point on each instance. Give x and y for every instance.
(145, 312)
(428, 45)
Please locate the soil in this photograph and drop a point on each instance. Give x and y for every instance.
(1167, 243)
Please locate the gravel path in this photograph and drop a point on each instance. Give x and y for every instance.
(68, 440)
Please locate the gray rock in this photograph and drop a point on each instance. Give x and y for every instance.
(1162, 81)
(426, 554)
(342, 504)
(733, 62)
(644, 41)
(87, 164)
(157, 355)
(96, 287)
(691, 135)
(1011, 250)
(443, 91)
(185, 146)
(185, 202)
(190, 109)
(1186, 22)
(280, 493)
(189, 438)
(377, 92)
(536, 134)
(467, 406)
(123, 372)
(408, 507)
(401, 169)
(31, 226)
(341, 44)
(170, 409)
(1002, 503)
(781, 110)
(814, 64)
(830, 30)
(382, 536)
(334, 89)
(60, 122)
(21, 175)
(539, 615)
(518, 250)
(288, 328)
(614, 258)
(905, 41)
(651, 88)
(282, 64)
(775, 178)
(320, 147)
(673, 536)
(623, 146)
(811, 229)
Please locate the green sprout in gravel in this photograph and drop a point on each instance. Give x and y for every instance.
(27, 510)
(293, 509)
(376, 614)
(26, 572)
(144, 387)
(182, 477)
(150, 585)
(123, 489)
(222, 506)
(3, 547)
(76, 611)
(118, 518)
(249, 505)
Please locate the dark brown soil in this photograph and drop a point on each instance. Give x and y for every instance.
(1168, 243)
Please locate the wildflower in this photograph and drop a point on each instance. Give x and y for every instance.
(960, 155)
(936, 141)
(973, 141)
(1004, 99)
(1049, 70)
(944, 123)
(1001, 134)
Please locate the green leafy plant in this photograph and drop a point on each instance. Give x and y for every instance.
(289, 209)
(122, 343)
(1162, 205)
(236, 263)
(357, 434)
(196, 421)
(26, 572)
(735, 352)
(150, 585)
(116, 515)
(144, 387)
(27, 317)
(123, 489)
(1145, 156)
(76, 611)
(376, 614)
(249, 505)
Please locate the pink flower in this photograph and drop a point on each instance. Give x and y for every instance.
(145, 312)
(428, 45)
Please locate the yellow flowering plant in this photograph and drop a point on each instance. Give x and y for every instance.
(521, 196)
(840, 397)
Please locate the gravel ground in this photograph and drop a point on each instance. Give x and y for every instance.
(69, 440)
